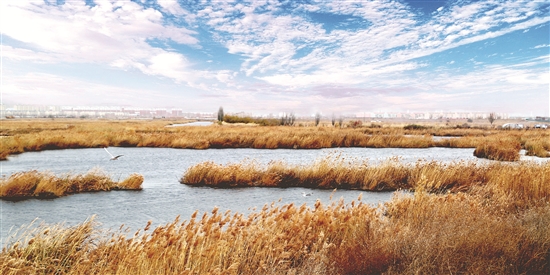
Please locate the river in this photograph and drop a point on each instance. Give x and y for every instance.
(163, 197)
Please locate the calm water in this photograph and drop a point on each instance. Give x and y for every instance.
(163, 197)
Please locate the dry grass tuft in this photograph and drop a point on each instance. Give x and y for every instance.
(35, 184)
(503, 150)
(539, 147)
(133, 182)
(467, 234)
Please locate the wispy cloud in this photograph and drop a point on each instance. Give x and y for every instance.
(112, 33)
(288, 52)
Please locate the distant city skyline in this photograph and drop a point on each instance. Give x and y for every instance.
(41, 111)
(271, 56)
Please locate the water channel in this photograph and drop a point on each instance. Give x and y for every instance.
(163, 197)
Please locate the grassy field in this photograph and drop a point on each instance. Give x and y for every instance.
(18, 136)
(35, 184)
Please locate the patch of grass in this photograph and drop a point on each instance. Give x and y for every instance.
(502, 150)
(530, 181)
(538, 147)
(415, 127)
(35, 184)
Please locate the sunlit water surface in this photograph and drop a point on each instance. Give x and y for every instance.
(163, 197)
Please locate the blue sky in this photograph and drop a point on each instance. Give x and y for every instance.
(268, 56)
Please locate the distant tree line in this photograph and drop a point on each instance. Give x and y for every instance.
(247, 119)
(286, 119)
(220, 114)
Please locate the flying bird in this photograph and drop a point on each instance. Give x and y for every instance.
(112, 157)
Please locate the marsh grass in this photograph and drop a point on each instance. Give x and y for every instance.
(537, 146)
(421, 233)
(36, 135)
(462, 218)
(501, 149)
(530, 180)
(36, 184)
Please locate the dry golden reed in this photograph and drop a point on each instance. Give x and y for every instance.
(20, 136)
(503, 150)
(529, 179)
(458, 233)
(35, 184)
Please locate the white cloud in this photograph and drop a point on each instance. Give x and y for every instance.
(269, 40)
(280, 50)
(172, 7)
(172, 65)
(109, 33)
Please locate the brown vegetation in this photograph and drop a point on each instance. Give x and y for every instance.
(495, 219)
(501, 149)
(35, 184)
(530, 179)
(35, 135)
(479, 232)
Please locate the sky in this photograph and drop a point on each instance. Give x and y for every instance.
(273, 56)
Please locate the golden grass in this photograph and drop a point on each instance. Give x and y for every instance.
(531, 180)
(36, 135)
(537, 146)
(35, 184)
(501, 149)
(461, 233)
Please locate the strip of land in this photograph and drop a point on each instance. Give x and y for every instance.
(37, 135)
(530, 179)
(45, 185)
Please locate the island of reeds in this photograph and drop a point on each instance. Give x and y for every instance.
(336, 171)
(45, 185)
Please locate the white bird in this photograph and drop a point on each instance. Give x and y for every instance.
(306, 194)
(112, 157)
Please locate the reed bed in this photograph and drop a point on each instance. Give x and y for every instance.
(530, 180)
(36, 184)
(502, 150)
(422, 233)
(36, 135)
